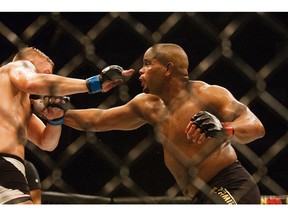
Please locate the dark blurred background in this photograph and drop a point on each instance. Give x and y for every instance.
(246, 52)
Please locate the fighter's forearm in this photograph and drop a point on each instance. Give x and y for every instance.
(247, 130)
(118, 118)
(79, 120)
(50, 137)
(50, 84)
(56, 85)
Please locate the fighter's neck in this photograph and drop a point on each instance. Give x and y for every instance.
(175, 94)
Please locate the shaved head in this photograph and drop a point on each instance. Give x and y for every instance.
(168, 52)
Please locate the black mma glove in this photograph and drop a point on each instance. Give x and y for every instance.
(211, 125)
(112, 73)
(59, 102)
(63, 102)
(37, 106)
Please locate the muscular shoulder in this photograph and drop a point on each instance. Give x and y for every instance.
(213, 90)
(20, 63)
(18, 66)
(213, 94)
(148, 105)
(146, 99)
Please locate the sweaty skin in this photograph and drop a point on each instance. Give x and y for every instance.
(18, 80)
(30, 72)
(169, 101)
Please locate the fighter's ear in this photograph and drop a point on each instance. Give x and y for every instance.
(170, 68)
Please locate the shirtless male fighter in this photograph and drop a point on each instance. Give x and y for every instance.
(30, 72)
(195, 122)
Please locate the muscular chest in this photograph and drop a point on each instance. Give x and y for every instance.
(172, 122)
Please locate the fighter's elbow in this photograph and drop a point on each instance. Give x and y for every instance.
(48, 148)
(257, 130)
(261, 131)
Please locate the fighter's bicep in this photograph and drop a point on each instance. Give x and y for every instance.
(124, 117)
(223, 104)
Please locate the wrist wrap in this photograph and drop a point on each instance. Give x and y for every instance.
(228, 128)
(94, 84)
(56, 122)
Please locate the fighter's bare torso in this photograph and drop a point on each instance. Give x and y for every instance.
(170, 121)
(13, 116)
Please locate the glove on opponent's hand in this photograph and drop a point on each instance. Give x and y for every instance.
(211, 125)
(51, 108)
(109, 77)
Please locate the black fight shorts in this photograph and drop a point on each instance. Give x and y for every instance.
(13, 184)
(233, 185)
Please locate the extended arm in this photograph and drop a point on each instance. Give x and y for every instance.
(23, 76)
(126, 117)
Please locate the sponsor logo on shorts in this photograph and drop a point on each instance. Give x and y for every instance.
(224, 194)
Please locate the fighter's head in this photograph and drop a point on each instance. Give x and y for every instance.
(40, 60)
(160, 62)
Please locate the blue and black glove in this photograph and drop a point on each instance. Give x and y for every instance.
(111, 74)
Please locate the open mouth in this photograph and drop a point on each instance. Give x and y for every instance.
(142, 82)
